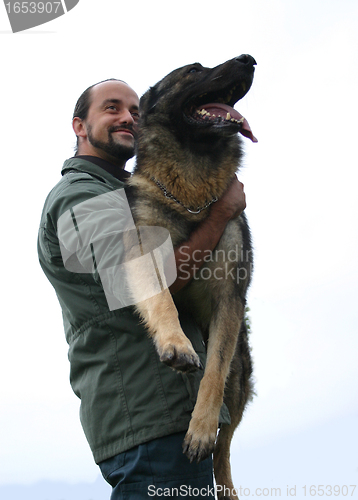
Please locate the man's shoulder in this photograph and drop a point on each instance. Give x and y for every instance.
(75, 187)
(78, 184)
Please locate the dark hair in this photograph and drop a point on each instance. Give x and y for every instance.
(84, 102)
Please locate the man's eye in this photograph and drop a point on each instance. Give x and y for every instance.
(135, 115)
(112, 107)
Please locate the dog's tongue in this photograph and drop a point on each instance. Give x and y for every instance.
(222, 110)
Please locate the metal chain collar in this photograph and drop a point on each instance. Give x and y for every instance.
(167, 194)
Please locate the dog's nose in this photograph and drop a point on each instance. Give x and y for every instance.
(246, 59)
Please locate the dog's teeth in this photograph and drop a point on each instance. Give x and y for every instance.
(228, 116)
(203, 112)
(238, 121)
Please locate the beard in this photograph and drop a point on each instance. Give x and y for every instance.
(112, 148)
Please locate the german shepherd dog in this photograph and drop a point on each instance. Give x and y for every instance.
(188, 152)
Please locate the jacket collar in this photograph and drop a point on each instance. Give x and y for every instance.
(105, 171)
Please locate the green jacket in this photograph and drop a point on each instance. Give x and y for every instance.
(127, 395)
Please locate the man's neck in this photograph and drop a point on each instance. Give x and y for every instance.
(104, 156)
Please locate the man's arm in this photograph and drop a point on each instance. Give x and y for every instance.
(189, 256)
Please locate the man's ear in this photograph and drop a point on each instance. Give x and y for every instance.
(79, 127)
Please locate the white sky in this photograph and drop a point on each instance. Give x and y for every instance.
(300, 181)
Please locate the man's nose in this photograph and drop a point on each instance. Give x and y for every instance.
(126, 117)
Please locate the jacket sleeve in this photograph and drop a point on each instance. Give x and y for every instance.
(98, 236)
(72, 190)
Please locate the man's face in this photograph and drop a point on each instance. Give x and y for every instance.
(112, 120)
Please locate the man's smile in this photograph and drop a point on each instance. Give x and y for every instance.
(124, 131)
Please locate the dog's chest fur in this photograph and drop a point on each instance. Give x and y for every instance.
(225, 270)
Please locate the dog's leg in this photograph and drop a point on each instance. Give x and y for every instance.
(200, 439)
(146, 282)
(161, 319)
(238, 391)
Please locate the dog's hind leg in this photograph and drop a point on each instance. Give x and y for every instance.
(200, 439)
(238, 392)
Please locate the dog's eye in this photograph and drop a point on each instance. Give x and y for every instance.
(193, 70)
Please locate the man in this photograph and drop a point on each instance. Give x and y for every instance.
(134, 410)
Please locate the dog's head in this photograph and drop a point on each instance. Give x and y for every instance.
(197, 103)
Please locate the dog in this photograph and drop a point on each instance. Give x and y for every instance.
(188, 151)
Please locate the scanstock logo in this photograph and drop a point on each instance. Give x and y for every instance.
(28, 14)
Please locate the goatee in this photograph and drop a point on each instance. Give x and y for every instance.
(112, 148)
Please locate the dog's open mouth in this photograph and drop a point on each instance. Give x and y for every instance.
(219, 112)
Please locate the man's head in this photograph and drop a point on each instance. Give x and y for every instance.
(105, 121)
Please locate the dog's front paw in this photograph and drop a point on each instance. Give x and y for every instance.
(199, 441)
(181, 357)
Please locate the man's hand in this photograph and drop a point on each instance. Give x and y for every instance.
(190, 254)
(232, 203)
